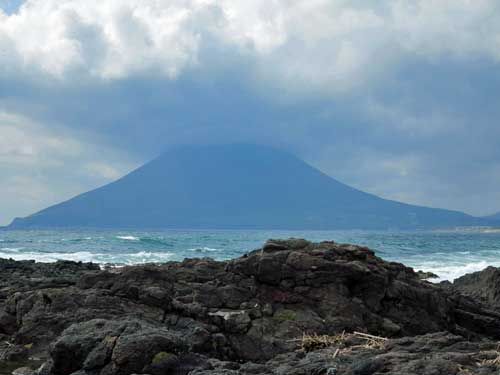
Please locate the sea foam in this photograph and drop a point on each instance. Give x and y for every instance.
(448, 272)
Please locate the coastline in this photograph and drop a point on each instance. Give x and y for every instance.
(447, 254)
(292, 306)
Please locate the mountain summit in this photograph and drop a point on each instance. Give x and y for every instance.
(235, 186)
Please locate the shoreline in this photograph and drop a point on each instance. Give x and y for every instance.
(449, 255)
(287, 307)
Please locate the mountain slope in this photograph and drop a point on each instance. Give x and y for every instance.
(494, 217)
(235, 186)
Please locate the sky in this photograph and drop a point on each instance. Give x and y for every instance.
(395, 97)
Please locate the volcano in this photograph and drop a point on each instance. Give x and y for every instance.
(235, 187)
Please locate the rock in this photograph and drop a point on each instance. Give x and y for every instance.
(426, 275)
(248, 315)
(289, 244)
(267, 310)
(233, 321)
(24, 371)
(8, 323)
(483, 285)
(45, 368)
(115, 347)
(14, 353)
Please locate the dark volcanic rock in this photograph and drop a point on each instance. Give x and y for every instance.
(246, 316)
(483, 285)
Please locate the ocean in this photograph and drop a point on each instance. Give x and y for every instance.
(449, 254)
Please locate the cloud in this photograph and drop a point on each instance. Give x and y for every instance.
(397, 98)
(41, 167)
(321, 44)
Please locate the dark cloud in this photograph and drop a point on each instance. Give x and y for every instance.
(412, 124)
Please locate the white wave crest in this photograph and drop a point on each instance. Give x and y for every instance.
(81, 256)
(203, 249)
(142, 257)
(452, 272)
(491, 230)
(148, 254)
(128, 238)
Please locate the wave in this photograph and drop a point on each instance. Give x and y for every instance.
(156, 241)
(14, 249)
(128, 238)
(491, 230)
(79, 239)
(81, 256)
(146, 257)
(8, 241)
(468, 230)
(149, 254)
(203, 249)
(101, 258)
(452, 272)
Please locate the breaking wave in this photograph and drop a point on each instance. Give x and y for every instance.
(81, 256)
(204, 249)
(128, 238)
(452, 272)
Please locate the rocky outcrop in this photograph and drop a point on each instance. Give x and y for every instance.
(483, 285)
(247, 315)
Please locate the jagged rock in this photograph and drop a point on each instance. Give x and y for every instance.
(426, 275)
(483, 285)
(247, 315)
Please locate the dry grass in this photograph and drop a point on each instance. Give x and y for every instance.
(493, 357)
(314, 341)
(310, 342)
(491, 362)
(372, 342)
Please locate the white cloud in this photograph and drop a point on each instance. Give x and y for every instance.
(103, 170)
(361, 53)
(320, 44)
(23, 142)
(41, 167)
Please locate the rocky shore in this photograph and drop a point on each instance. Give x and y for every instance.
(292, 307)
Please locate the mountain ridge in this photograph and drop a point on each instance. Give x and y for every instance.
(237, 186)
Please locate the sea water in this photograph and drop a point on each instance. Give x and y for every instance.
(447, 253)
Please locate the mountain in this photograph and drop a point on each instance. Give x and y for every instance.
(494, 217)
(235, 186)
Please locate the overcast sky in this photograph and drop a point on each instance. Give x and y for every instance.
(398, 98)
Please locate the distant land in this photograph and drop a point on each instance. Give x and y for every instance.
(495, 217)
(236, 187)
